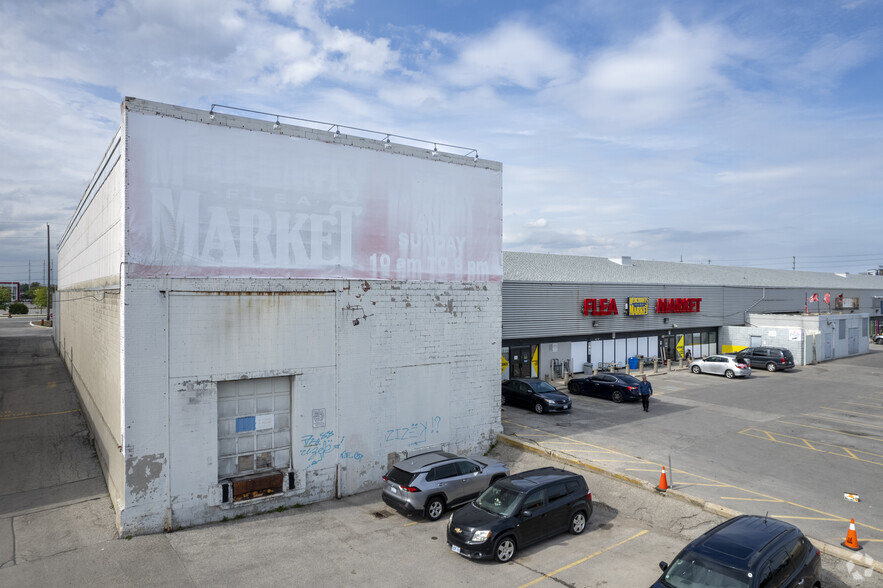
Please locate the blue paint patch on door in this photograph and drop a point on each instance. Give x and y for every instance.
(244, 424)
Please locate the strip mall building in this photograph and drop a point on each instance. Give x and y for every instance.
(573, 314)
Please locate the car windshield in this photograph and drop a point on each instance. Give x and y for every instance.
(543, 387)
(691, 570)
(629, 380)
(498, 500)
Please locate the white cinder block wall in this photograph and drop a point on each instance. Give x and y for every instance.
(88, 312)
(398, 367)
(377, 369)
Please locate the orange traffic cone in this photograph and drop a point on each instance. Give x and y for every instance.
(663, 481)
(851, 538)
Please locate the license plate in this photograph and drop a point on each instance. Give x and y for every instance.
(455, 549)
(392, 489)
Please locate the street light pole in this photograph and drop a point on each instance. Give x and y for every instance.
(48, 276)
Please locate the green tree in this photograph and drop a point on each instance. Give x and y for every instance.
(40, 298)
(5, 297)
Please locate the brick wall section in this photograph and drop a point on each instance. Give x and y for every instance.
(397, 368)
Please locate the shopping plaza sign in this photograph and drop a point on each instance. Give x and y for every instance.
(666, 305)
(599, 306)
(640, 306)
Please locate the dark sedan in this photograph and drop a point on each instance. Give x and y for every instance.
(536, 394)
(615, 387)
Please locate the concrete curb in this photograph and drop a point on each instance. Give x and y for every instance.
(723, 511)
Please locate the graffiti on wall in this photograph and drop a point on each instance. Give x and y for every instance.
(416, 433)
(317, 447)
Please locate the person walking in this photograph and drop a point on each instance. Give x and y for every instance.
(645, 390)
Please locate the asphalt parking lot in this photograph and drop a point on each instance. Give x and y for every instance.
(790, 444)
(56, 526)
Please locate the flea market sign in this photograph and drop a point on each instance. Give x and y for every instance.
(666, 305)
(640, 306)
(599, 306)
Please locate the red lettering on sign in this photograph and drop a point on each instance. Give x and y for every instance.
(678, 305)
(600, 306)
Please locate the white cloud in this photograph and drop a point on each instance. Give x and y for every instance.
(539, 223)
(830, 57)
(655, 78)
(513, 54)
(758, 175)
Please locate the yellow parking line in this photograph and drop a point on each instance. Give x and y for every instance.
(576, 563)
(806, 518)
(409, 524)
(746, 490)
(752, 499)
(832, 431)
(850, 454)
(682, 485)
(863, 414)
(860, 404)
(562, 442)
(640, 470)
(827, 418)
(33, 416)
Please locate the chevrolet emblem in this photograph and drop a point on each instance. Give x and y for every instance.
(457, 530)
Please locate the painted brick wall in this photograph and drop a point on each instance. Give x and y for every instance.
(91, 253)
(395, 367)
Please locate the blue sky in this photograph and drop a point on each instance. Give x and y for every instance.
(740, 133)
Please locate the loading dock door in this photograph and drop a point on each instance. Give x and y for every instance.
(254, 426)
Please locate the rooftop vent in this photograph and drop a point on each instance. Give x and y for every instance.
(624, 261)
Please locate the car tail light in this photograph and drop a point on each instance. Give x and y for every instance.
(410, 488)
(633, 387)
(589, 495)
(385, 479)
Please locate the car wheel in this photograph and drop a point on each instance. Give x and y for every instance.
(503, 400)
(505, 549)
(616, 396)
(729, 374)
(573, 388)
(539, 408)
(578, 523)
(435, 508)
(770, 367)
(696, 369)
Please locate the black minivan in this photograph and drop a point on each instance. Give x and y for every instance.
(746, 552)
(769, 358)
(518, 511)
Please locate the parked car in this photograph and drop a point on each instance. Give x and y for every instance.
(878, 339)
(616, 387)
(518, 511)
(431, 482)
(746, 552)
(536, 394)
(722, 365)
(768, 358)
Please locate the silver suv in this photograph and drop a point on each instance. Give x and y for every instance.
(431, 482)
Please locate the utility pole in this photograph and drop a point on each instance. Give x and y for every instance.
(793, 262)
(48, 277)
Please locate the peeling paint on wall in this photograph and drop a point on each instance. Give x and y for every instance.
(142, 472)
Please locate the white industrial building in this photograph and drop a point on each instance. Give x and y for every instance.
(257, 315)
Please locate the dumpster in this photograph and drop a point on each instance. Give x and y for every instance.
(633, 363)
